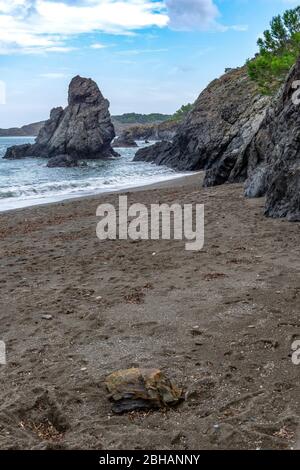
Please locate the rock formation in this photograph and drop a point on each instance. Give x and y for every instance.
(19, 151)
(138, 389)
(216, 132)
(124, 141)
(62, 161)
(163, 131)
(272, 161)
(236, 134)
(83, 130)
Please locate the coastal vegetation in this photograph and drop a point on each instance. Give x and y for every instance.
(153, 118)
(279, 49)
(181, 113)
(135, 118)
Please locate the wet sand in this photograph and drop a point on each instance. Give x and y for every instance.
(219, 322)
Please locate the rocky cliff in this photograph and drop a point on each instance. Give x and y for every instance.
(216, 132)
(83, 130)
(272, 161)
(236, 134)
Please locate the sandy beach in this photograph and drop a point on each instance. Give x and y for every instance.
(219, 322)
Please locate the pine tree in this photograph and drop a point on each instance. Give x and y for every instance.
(278, 51)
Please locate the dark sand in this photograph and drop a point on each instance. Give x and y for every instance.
(220, 322)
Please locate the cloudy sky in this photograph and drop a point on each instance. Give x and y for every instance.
(146, 55)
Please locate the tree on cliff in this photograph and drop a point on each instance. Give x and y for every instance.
(279, 49)
(182, 112)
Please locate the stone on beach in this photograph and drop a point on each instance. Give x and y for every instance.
(136, 389)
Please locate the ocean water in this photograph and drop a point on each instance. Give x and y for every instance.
(28, 182)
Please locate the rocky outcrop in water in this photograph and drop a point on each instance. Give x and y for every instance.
(273, 159)
(19, 151)
(124, 141)
(62, 161)
(83, 130)
(217, 132)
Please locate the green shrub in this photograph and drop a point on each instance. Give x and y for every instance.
(134, 118)
(279, 49)
(182, 112)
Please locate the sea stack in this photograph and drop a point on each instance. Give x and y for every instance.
(83, 130)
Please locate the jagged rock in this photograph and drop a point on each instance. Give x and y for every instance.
(283, 195)
(257, 185)
(62, 161)
(273, 158)
(216, 132)
(124, 141)
(82, 130)
(157, 153)
(134, 389)
(19, 151)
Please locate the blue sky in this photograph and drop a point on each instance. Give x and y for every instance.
(145, 55)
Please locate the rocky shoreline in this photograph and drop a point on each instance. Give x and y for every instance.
(217, 130)
(233, 132)
(238, 135)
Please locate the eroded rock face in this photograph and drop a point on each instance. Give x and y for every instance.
(83, 130)
(273, 160)
(283, 195)
(217, 131)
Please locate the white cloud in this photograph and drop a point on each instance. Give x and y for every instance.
(45, 25)
(42, 26)
(97, 46)
(187, 15)
(192, 14)
(239, 27)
